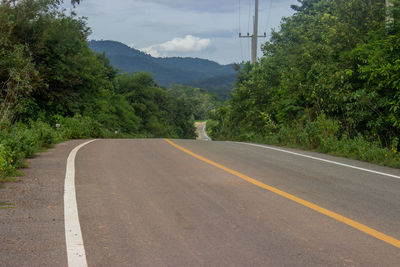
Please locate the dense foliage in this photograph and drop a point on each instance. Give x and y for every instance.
(161, 114)
(49, 75)
(328, 78)
(200, 101)
(220, 85)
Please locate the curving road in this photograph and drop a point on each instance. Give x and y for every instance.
(190, 203)
(201, 131)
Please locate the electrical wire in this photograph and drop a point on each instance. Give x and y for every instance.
(240, 39)
(248, 30)
(239, 16)
(248, 23)
(269, 16)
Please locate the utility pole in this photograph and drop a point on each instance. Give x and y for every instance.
(255, 32)
(255, 35)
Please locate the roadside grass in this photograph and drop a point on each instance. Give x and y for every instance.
(6, 206)
(21, 141)
(9, 178)
(357, 148)
(320, 136)
(210, 124)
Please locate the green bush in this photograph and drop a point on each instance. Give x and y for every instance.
(6, 162)
(287, 136)
(361, 149)
(23, 140)
(79, 127)
(45, 134)
(320, 133)
(211, 127)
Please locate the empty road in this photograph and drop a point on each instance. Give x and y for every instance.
(161, 202)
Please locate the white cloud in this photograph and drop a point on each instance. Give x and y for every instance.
(178, 45)
(145, 23)
(153, 52)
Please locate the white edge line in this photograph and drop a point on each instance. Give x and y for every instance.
(324, 160)
(73, 236)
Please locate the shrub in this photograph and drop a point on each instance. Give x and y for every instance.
(45, 134)
(320, 133)
(6, 162)
(22, 141)
(287, 136)
(81, 127)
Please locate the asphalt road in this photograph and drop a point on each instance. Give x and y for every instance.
(148, 203)
(201, 131)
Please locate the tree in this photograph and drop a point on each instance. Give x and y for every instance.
(332, 60)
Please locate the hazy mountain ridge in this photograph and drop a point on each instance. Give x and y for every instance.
(171, 70)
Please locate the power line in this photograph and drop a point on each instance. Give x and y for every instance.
(240, 13)
(240, 40)
(248, 23)
(248, 30)
(268, 16)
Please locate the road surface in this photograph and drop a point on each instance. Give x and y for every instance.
(201, 131)
(189, 203)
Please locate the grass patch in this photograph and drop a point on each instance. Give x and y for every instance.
(24, 140)
(6, 205)
(319, 136)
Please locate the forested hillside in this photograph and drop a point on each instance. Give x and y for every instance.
(170, 70)
(329, 80)
(49, 76)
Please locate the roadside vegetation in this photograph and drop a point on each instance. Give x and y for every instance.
(49, 76)
(199, 100)
(329, 81)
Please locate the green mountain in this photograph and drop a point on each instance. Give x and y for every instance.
(202, 73)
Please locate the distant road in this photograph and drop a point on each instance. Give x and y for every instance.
(201, 131)
(190, 203)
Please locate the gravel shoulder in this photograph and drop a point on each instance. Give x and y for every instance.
(32, 212)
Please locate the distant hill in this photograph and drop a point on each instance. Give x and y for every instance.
(202, 73)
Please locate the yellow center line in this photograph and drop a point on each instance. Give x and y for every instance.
(359, 226)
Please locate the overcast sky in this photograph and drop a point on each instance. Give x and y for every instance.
(187, 28)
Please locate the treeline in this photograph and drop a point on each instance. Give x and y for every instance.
(49, 76)
(329, 80)
(200, 101)
(220, 85)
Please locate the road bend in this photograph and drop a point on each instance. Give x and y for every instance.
(149, 203)
(161, 202)
(201, 131)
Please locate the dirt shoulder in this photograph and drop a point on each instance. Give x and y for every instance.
(32, 212)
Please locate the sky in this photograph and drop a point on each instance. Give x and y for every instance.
(186, 28)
